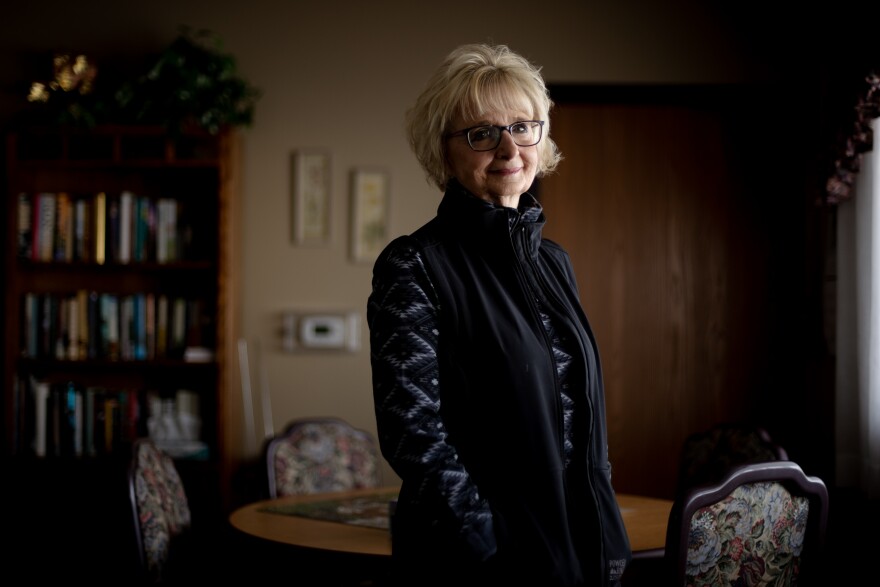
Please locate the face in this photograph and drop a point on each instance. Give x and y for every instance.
(498, 176)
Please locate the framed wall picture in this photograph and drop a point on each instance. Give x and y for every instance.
(369, 213)
(310, 197)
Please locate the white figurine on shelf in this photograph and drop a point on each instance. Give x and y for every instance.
(175, 426)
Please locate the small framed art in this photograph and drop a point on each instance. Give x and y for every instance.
(369, 213)
(310, 197)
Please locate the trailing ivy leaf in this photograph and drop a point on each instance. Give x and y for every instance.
(191, 83)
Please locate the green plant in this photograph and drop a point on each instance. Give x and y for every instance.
(193, 83)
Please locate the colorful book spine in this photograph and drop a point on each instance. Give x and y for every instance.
(40, 389)
(95, 341)
(109, 326)
(82, 313)
(73, 323)
(178, 324)
(150, 325)
(111, 423)
(63, 237)
(125, 234)
(140, 327)
(113, 230)
(82, 230)
(126, 316)
(31, 326)
(89, 422)
(45, 226)
(25, 226)
(100, 228)
(162, 327)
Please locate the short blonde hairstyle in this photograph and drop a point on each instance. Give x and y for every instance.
(473, 80)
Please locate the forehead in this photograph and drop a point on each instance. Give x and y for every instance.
(476, 105)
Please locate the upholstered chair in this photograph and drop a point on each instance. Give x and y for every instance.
(161, 510)
(316, 455)
(762, 525)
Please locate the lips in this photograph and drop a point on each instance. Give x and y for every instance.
(506, 171)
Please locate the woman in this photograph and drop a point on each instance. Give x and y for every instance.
(487, 384)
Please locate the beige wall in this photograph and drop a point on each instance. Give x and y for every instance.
(338, 76)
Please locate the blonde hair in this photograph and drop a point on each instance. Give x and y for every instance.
(473, 80)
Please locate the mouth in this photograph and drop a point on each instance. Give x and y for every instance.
(506, 171)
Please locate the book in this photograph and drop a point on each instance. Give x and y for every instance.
(99, 231)
(83, 325)
(67, 425)
(78, 423)
(63, 249)
(31, 325)
(99, 425)
(109, 304)
(166, 230)
(144, 230)
(150, 217)
(82, 229)
(73, 323)
(25, 224)
(125, 234)
(140, 326)
(122, 399)
(126, 327)
(94, 344)
(162, 326)
(150, 325)
(177, 331)
(129, 415)
(89, 401)
(194, 322)
(45, 210)
(111, 423)
(40, 389)
(113, 227)
(46, 340)
(60, 324)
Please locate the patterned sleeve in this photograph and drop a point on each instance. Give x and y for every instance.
(402, 317)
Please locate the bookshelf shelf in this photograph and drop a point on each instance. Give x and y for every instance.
(119, 263)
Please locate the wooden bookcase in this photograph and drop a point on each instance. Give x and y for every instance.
(195, 271)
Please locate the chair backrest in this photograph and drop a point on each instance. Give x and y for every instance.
(762, 525)
(316, 455)
(160, 507)
(707, 456)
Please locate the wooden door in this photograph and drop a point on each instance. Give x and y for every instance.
(652, 204)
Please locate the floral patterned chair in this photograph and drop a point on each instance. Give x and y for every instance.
(160, 507)
(316, 455)
(763, 525)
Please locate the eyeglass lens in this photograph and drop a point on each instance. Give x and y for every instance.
(486, 138)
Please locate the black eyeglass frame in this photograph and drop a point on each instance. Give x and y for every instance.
(502, 128)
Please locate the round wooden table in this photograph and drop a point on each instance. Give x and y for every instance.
(645, 519)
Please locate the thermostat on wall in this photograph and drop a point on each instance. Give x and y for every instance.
(321, 331)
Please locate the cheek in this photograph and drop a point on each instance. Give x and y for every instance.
(532, 159)
(468, 164)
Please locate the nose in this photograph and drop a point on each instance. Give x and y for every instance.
(506, 145)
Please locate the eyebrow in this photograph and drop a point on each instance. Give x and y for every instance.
(487, 123)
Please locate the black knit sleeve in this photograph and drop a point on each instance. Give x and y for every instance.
(402, 314)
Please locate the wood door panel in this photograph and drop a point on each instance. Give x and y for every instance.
(648, 205)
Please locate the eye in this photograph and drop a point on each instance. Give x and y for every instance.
(481, 133)
(520, 128)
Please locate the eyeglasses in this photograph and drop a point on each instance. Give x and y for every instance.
(486, 137)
